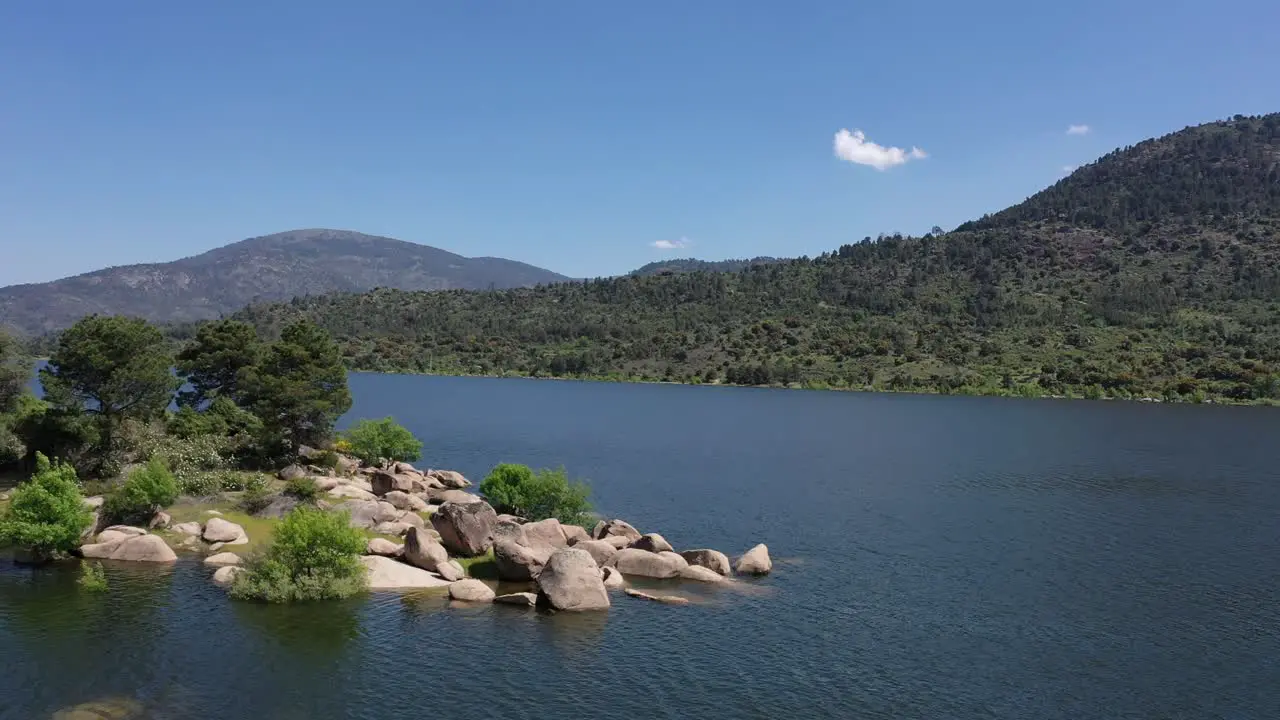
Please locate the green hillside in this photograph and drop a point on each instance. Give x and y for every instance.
(1153, 272)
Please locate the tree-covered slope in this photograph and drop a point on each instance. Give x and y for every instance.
(272, 267)
(1153, 272)
(661, 267)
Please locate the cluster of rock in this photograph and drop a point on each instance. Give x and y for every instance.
(570, 568)
(135, 544)
(387, 500)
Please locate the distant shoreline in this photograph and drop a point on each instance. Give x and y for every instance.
(820, 388)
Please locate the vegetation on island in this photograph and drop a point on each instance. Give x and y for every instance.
(46, 514)
(537, 494)
(1151, 273)
(313, 555)
(377, 440)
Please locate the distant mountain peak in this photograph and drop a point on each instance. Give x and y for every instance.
(279, 266)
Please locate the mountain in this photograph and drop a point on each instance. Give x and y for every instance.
(1152, 272)
(662, 267)
(272, 267)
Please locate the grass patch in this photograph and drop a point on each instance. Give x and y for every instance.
(482, 567)
(258, 529)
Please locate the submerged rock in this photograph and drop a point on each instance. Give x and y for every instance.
(707, 558)
(526, 599)
(471, 591)
(105, 709)
(666, 599)
(571, 581)
(701, 574)
(755, 561)
(387, 574)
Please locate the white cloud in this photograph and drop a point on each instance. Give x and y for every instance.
(854, 147)
(671, 244)
(1068, 169)
(1078, 129)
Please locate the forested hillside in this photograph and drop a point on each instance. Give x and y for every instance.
(1153, 272)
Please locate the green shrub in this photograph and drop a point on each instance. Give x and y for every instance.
(313, 555)
(46, 514)
(325, 459)
(385, 439)
(92, 577)
(536, 495)
(257, 495)
(147, 489)
(304, 488)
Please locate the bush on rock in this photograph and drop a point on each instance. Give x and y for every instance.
(536, 495)
(46, 514)
(147, 490)
(313, 555)
(375, 440)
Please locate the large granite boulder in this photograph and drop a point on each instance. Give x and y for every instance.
(643, 563)
(571, 581)
(393, 529)
(351, 492)
(517, 562)
(652, 542)
(755, 561)
(110, 536)
(291, 472)
(574, 534)
(707, 558)
(615, 527)
(383, 547)
(325, 484)
(601, 551)
(125, 530)
(404, 501)
(226, 574)
(362, 512)
(471, 591)
(387, 574)
(188, 528)
(612, 578)
(545, 532)
(465, 529)
(456, 496)
(220, 559)
(450, 479)
(424, 551)
(138, 548)
(400, 466)
(617, 541)
(217, 530)
(383, 482)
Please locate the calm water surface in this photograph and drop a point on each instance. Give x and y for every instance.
(934, 558)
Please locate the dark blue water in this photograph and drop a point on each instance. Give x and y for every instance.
(935, 558)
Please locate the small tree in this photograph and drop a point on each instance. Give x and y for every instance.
(314, 555)
(298, 390)
(539, 495)
(212, 361)
(385, 439)
(146, 490)
(112, 367)
(46, 514)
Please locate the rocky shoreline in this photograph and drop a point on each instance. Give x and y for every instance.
(537, 563)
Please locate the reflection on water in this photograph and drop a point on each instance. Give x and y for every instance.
(311, 632)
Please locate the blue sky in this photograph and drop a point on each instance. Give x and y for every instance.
(576, 135)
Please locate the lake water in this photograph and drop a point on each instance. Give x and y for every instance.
(934, 557)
